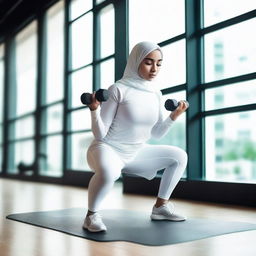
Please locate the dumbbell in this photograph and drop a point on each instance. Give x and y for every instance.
(100, 95)
(172, 104)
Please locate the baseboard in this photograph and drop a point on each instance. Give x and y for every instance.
(199, 190)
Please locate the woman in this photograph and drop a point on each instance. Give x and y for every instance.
(122, 125)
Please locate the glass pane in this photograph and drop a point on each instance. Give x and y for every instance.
(107, 73)
(81, 81)
(177, 134)
(80, 144)
(24, 152)
(26, 65)
(231, 147)
(51, 156)
(81, 31)
(99, 1)
(145, 23)
(52, 119)
(173, 69)
(1, 82)
(81, 119)
(231, 95)
(78, 7)
(219, 10)
(55, 53)
(107, 31)
(230, 51)
(24, 127)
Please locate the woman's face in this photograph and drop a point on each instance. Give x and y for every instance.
(150, 66)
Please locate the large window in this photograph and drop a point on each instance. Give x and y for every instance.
(77, 46)
(21, 110)
(1, 102)
(52, 94)
(230, 53)
(92, 67)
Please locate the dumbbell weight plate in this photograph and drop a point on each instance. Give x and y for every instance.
(86, 98)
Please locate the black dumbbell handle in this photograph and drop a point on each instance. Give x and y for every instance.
(100, 95)
(172, 104)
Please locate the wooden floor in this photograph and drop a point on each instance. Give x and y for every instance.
(18, 239)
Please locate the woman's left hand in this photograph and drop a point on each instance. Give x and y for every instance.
(179, 110)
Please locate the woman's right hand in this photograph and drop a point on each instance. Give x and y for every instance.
(94, 105)
(179, 110)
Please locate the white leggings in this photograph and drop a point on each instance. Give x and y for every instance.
(108, 166)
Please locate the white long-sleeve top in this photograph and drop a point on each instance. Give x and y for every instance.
(129, 118)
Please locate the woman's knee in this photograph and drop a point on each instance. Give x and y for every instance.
(108, 176)
(182, 156)
(179, 155)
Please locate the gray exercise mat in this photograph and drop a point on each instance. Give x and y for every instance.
(132, 226)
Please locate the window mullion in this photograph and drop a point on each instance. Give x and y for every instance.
(96, 49)
(194, 77)
(121, 37)
(40, 92)
(67, 89)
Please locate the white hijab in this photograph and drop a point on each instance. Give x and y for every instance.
(131, 76)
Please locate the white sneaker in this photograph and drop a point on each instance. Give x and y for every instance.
(94, 223)
(164, 213)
